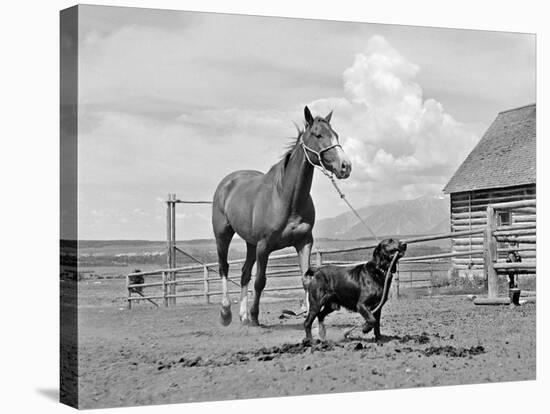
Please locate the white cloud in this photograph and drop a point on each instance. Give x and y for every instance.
(401, 145)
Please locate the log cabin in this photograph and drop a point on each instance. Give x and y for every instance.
(500, 168)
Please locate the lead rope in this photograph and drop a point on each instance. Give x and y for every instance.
(330, 176)
(343, 197)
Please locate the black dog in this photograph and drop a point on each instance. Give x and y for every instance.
(358, 289)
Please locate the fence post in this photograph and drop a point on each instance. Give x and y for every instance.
(318, 258)
(490, 254)
(129, 292)
(169, 244)
(397, 283)
(172, 278)
(206, 287)
(394, 287)
(432, 277)
(164, 289)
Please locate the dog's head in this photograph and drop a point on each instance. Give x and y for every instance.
(384, 252)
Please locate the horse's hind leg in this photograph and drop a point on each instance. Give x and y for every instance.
(245, 279)
(223, 233)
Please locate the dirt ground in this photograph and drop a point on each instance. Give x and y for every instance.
(182, 354)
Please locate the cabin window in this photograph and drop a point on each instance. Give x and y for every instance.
(505, 218)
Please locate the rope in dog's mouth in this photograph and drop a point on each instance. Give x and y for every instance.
(387, 283)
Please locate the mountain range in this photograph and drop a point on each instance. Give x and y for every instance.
(423, 215)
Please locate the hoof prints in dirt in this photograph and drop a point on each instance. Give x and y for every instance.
(451, 351)
(298, 348)
(262, 354)
(423, 338)
(447, 350)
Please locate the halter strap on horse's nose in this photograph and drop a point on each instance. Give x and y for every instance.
(319, 154)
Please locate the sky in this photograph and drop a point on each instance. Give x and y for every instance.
(171, 102)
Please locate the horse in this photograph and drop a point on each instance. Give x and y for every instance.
(274, 210)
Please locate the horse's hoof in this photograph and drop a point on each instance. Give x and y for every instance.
(225, 315)
(253, 322)
(367, 328)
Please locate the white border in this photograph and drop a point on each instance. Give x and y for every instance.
(30, 201)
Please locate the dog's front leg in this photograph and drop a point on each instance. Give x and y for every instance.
(312, 314)
(370, 320)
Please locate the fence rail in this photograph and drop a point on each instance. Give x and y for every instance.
(276, 271)
(199, 278)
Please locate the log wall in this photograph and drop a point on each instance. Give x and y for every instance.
(469, 212)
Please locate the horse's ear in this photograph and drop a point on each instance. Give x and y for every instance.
(308, 116)
(328, 117)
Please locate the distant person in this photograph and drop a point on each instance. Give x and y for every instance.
(137, 280)
(513, 257)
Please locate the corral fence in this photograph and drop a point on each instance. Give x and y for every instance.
(518, 237)
(202, 280)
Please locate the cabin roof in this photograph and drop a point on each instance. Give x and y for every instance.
(505, 156)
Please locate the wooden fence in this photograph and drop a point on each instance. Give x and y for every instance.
(497, 237)
(203, 280)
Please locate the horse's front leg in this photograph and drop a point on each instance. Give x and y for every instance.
(262, 255)
(304, 253)
(245, 279)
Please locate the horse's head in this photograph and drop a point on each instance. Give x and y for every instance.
(321, 145)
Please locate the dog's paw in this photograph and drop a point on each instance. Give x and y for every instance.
(307, 342)
(367, 328)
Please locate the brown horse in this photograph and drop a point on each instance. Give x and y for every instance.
(274, 210)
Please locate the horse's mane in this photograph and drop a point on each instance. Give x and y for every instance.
(279, 168)
(289, 147)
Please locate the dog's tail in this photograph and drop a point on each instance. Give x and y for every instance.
(307, 277)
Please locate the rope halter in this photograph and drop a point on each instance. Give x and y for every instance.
(321, 166)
